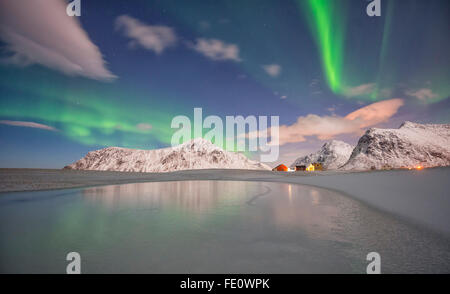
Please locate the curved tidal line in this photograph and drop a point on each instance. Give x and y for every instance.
(254, 198)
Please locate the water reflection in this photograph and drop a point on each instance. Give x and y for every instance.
(194, 196)
(208, 227)
(281, 205)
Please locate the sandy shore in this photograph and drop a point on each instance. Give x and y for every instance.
(420, 196)
(18, 180)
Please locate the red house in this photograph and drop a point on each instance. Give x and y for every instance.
(281, 167)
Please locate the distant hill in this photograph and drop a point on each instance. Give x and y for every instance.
(332, 155)
(196, 154)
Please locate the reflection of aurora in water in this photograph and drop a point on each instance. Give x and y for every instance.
(207, 227)
(211, 200)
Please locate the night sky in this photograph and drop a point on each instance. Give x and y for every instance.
(117, 75)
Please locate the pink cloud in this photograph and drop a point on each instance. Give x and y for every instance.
(327, 127)
(144, 126)
(27, 124)
(375, 113)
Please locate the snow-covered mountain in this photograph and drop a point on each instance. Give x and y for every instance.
(196, 154)
(332, 155)
(410, 145)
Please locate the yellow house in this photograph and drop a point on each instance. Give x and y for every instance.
(317, 166)
(310, 167)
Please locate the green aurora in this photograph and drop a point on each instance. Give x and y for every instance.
(328, 23)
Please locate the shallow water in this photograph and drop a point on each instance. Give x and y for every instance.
(209, 227)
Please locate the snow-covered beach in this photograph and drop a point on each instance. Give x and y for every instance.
(421, 196)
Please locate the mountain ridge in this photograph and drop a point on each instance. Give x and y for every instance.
(411, 145)
(195, 154)
(332, 155)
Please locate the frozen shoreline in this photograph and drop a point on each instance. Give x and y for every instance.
(421, 196)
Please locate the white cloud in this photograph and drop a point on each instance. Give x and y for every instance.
(40, 32)
(27, 124)
(216, 49)
(327, 127)
(152, 37)
(359, 90)
(422, 94)
(283, 97)
(272, 70)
